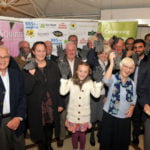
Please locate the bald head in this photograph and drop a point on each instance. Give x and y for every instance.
(49, 47)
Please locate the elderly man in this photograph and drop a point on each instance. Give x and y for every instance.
(24, 54)
(49, 55)
(73, 61)
(12, 105)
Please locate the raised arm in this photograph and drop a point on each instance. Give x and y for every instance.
(108, 73)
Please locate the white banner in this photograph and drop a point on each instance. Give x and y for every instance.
(57, 31)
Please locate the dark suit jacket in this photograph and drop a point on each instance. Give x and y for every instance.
(143, 82)
(17, 97)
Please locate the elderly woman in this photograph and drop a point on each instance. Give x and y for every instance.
(119, 106)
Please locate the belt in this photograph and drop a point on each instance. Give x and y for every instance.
(6, 115)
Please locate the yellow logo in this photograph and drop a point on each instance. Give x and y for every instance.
(30, 33)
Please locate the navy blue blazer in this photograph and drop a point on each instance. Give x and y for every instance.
(17, 97)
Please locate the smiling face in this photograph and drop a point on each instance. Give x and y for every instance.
(39, 52)
(82, 72)
(139, 48)
(126, 67)
(70, 51)
(4, 59)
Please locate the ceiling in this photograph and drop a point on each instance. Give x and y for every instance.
(89, 9)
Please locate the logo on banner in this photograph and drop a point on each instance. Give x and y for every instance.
(31, 25)
(62, 26)
(56, 41)
(90, 33)
(83, 41)
(58, 33)
(30, 33)
(73, 26)
(47, 25)
(43, 34)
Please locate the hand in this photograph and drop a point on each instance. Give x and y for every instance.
(14, 123)
(98, 44)
(31, 64)
(98, 73)
(60, 109)
(129, 112)
(64, 69)
(32, 71)
(83, 53)
(112, 57)
(147, 109)
(60, 52)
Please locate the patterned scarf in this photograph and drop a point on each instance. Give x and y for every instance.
(115, 100)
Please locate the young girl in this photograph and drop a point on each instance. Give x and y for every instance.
(78, 111)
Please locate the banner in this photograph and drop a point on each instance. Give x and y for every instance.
(12, 33)
(57, 31)
(119, 29)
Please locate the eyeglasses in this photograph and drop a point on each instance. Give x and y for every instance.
(4, 57)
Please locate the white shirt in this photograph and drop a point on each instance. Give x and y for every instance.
(71, 64)
(6, 103)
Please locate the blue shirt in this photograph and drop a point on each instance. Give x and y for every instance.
(123, 104)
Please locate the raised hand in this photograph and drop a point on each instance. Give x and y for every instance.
(31, 64)
(98, 44)
(83, 53)
(60, 52)
(64, 69)
(98, 74)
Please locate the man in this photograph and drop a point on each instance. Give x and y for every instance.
(12, 105)
(49, 55)
(147, 41)
(143, 88)
(129, 46)
(73, 61)
(24, 54)
(73, 38)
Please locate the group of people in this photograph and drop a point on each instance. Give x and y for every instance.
(102, 84)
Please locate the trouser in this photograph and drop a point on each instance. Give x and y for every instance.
(78, 136)
(45, 143)
(8, 138)
(62, 125)
(147, 134)
(136, 120)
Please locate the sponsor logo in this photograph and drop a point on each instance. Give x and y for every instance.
(30, 33)
(56, 41)
(47, 25)
(73, 26)
(83, 41)
(58, 33)
(31, 25)
(62, 26)
(90, 33)
(42, 34)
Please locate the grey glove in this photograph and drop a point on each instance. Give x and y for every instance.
(98, 44)
(31, 64)
(83, 53)
(98, 74)
(135, 58)
(60, 52)
(117, 62)
(64, 69)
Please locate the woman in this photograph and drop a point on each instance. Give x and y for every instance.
(43, 101)
(119, 106)
(98, 59)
